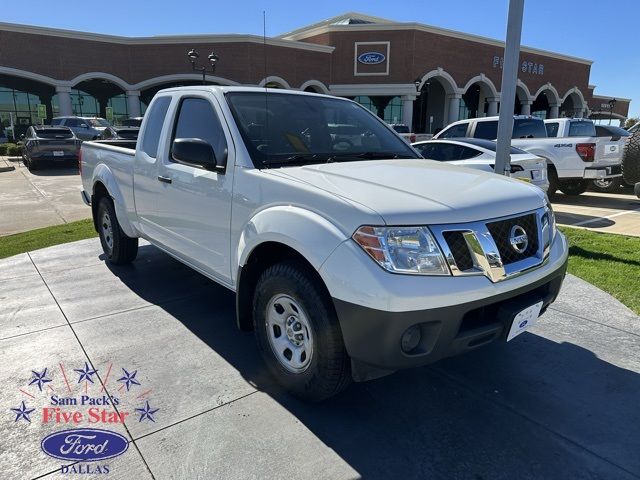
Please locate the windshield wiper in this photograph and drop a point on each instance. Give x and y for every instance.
(294, 159)
(345, 157)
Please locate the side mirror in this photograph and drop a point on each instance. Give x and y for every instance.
(195, 151)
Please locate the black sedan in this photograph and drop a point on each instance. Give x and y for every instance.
(50, 145)
(120, 133)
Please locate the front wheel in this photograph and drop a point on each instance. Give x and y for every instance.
(574, 187)
(118, 248)
(298, 333)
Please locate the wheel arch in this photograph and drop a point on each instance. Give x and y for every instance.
(259, 259)
(105, 184)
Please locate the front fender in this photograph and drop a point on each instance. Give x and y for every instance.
(104, 175)
(310, 234)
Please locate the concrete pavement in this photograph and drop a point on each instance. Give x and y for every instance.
(42, 198)
(558, 402)
(600, 212)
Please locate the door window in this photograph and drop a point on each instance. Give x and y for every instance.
(198, 119)
(486, 130)
(455, 131)
(552, 129)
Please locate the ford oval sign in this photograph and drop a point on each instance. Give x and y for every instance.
(84, 444)
(371, 58)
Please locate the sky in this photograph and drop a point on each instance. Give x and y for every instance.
(605, 32)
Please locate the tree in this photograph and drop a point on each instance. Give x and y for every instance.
(631, 122)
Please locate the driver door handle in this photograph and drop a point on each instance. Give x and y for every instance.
(164, 179)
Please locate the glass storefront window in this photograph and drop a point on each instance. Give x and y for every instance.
(19, 106)
(392, 112)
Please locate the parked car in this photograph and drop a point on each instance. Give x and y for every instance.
(84, 128)
(49, 145)
(608, 148)
(132, 122)
(571, 164)
(404, 132)
(347, 263)
(480, 154)
(120, 133)
(617, 136)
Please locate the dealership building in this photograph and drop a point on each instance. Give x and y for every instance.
(419, 75)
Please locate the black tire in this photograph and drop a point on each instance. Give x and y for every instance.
(553, 181)
(606, 185)
(574, 187)
(328, 371)
(118, 248)
(631, 160)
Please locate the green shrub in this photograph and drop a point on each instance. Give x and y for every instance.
(3, 149)
(14, 150)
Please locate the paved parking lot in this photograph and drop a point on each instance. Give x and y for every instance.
(602, 212)
(40, 199)
(559, 402)
(52, 196)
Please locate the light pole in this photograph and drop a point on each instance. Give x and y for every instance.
(193, 56)
(612, 104)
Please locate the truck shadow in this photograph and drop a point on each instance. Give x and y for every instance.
(534, 408)
(600, 200)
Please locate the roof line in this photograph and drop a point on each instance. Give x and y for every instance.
(327, 26)
(162, 39)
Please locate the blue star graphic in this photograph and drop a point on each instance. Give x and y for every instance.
(39, 378)
(22, 413)
(85, 374)
(129, 379)
(146, 413)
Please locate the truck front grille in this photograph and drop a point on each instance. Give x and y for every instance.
(497, 248)
(501, 231)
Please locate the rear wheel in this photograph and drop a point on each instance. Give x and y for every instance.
(574, 187)
(119, 248)
(298, 333)
(607, 185)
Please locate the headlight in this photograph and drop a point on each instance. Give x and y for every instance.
(549, 219)
(411, 250)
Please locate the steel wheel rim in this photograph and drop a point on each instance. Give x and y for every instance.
(289, 333)
(107, 230)
(603, 183)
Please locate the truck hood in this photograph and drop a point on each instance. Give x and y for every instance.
(417, 191)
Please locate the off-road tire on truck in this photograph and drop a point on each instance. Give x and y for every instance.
(574, 187)
(289, 300)
(118, 248)
(631, 159)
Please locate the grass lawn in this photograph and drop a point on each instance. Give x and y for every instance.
(45, 237)
(610, 262)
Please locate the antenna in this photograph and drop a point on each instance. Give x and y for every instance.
(266, 100)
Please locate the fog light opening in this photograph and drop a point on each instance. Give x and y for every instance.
(410, 338)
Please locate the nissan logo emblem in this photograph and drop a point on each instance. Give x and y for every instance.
(518, 239)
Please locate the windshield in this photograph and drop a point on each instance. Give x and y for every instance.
(132, 122)
(98, 122)
(401, 128)
(280, 128)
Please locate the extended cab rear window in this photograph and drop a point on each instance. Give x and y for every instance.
(157, 113)
(582, 129)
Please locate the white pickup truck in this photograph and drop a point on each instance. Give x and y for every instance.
(348, 262)
(572, 162)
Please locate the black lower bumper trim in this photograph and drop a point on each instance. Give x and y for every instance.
(373, 337)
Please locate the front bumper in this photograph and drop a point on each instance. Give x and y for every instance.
(454, 314)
